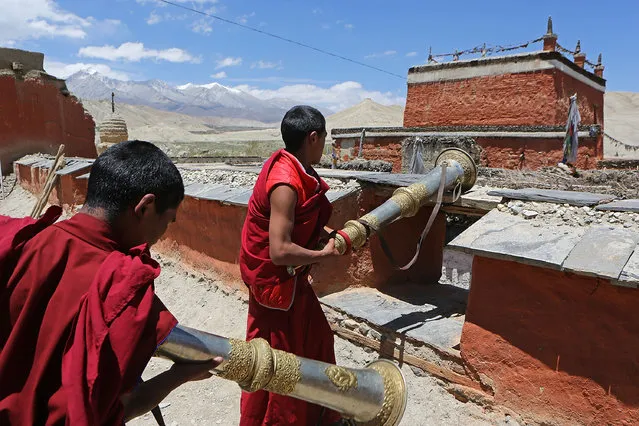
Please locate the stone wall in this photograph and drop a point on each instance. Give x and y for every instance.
(432, 146)
(68, 191)
(35, 116)
(388, 148)
(534, 153)
(207, 234)
(28, 60)
(529, 89)
(558, 348)
(540, 98)
(523, 147)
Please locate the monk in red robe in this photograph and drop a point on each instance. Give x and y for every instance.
(79, 319)
(286, 219)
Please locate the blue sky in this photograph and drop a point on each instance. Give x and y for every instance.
(144, 39)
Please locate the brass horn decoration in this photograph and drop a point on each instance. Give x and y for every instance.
(406, 201)
(375, 395)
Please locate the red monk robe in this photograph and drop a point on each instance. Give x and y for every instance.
(284, 310)
(69, 297)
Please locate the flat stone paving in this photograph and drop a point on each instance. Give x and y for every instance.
(574, 198)
(430, 313)
(608, 252)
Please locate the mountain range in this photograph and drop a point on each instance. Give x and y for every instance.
(196, 100)
(155, 110)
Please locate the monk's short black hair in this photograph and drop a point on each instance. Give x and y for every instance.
(125, 172)
(298, 123)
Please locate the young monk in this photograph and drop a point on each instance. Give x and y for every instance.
(286, 217)
(79, 319)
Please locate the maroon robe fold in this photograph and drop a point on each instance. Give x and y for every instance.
(284, 310)
(78, 321)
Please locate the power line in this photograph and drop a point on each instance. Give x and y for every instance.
(288, 40)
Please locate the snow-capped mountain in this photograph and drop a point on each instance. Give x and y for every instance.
(201, 100)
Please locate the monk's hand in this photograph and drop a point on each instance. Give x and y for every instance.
(329, 249)
(190, 372)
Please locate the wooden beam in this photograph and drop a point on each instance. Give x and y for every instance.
(468, 211)
(391, 351)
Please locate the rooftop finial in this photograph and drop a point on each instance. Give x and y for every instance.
(549, 25)
(113, 102)
(599, 60)
(578, 47)
(430, 54)
(483, 51)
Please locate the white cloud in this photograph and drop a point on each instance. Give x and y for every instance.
(220, 74)
(202, 26)
(382, 54)
(244, 18)
(334, 98)
(340, 22)
(264, 65)
(154, 18)
(135, 52)
(33, 19)
(228, 62)
(198, 2)
(409, 54)
(281, 80)
(62, 70)
(317, 11)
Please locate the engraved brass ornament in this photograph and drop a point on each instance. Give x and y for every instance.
(375, 395)
(343, 379)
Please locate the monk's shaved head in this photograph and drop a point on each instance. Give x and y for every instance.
(126, 172)
(298, 122)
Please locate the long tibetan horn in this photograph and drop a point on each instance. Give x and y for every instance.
(375, 395)
(406, 201)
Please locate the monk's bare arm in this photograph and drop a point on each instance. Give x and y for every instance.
(281, 249)
(149, 394)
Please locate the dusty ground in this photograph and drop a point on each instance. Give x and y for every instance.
(622, 183)
(204, 302)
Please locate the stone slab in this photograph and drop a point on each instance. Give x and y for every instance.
(493, 221)
(194, 189)
(42, 164)
(240, 197)
(477, 199)
(346, 174)
(216, 192)
(391, 179)
(574, 198)
(436, 318)
(522, 242)
(504, 236)
(28, 161)
(72, 167)
(620, 206)
(338, 195)
(602, 252)
(629, 276)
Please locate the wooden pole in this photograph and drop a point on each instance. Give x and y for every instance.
(392, 352)
(361, 143)
(48, 185)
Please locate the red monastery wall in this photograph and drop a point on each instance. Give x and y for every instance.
(36, 117)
